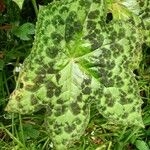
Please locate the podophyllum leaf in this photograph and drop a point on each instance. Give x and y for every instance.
(53, 75)
(136, 12)
(118, 10)
(120, 100)
(78, 58)
(124, 9)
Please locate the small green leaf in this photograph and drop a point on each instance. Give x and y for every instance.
(23, 32)
(141, 145)
(30, 132)
(147, 120)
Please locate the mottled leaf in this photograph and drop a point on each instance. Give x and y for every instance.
(134, 11)
(77, 58)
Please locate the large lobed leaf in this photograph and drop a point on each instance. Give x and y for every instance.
(77, 58)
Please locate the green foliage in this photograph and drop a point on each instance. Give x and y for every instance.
(29, 132)
(141, 145)
(12, 14)
(24, 31)
(19, 3)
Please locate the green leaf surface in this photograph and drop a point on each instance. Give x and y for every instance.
(77, 58)
(30, 132)
(141, 145)
(136, 12)
(24, 31)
